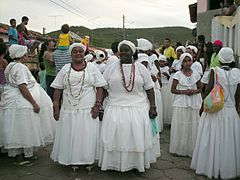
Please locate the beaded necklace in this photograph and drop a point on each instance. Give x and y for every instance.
(131, 80)
(81, 80)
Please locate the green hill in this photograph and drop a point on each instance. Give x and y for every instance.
(103, 37)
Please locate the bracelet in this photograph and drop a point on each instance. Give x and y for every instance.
(152, 106)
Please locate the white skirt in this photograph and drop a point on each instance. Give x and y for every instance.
(168, 99)
(159, 105)
(217, 150)
(20, 127)
(126, 139)
(184, 130)
(77, 138)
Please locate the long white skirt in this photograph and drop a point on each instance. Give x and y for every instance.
(159, 105)
(126, 139)
(168, 99)
(184, 130)
(217, 150)
(77, 138)
(20, 128)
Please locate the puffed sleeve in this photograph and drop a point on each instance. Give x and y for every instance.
(147, 79)
(21, 75)
(99, 80)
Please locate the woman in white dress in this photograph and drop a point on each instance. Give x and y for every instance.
(196, 66)
(126, 138)
(187, 87)
(77, 134)
(217, 150)
(25, 109)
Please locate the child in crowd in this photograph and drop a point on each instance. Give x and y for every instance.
(64, 39)
(12, 33)
(187, 87)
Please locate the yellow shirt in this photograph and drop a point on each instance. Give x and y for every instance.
(64, 40)
(170, 52)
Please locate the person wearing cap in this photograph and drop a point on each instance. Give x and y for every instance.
(127, 141)
(26, 110)
(217, 150)
(77, 134)
(217, 45)
(187, 87)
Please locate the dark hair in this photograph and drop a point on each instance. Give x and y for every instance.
(12, 20)
(3, 48)
(178, 44)
(41, 65)
(208, 54)
(65, 28)
(114, 46)
(167, 39)
(25, 18)
(42, 50)
(1, 40)
(230, 2)
(201, 38)
(135, 55)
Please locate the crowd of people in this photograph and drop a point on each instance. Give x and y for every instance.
(137, 89)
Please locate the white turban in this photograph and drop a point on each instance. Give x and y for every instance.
(225, 55)
(100, 55)
(182, 48)
(129, 43)
(88, 57)
(17, 51)
(162, 58)
(77, 45)
(193, 48)
(144, 44)
(142, 57)
(184, 55)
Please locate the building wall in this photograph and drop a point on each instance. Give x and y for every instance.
(204, 23)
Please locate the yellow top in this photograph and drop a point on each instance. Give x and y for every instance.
(64, 40)
(170, 52)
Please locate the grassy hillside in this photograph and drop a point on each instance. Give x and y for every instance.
(103, 37)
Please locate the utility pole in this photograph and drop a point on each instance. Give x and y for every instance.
(55, 19)
(124, 30)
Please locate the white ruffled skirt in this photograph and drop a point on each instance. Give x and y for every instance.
(217, 150)
(77, 138)
(126, 139)
(159, 105)
(184, 130)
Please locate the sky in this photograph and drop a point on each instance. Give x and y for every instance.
(51, 14)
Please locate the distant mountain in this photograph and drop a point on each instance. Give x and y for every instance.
(103, 37)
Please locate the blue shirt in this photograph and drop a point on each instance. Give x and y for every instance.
(12, 36)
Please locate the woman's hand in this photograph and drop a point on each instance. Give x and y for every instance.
(95, 111)
(152, 112)
(36, 108)
(56, 112)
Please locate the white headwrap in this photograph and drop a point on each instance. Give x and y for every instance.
(143, 58)
(88, 57)
(162, 58)
(184, 55)
(76, 45)
(17, 51)
(182, 48)
(129, 43)
(100, 55)
(193, 48)
(144, 44)
(225, 55)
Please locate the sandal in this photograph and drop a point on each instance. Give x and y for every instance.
(31, 158)
(23, 163)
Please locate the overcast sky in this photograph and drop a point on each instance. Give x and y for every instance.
(51, 14)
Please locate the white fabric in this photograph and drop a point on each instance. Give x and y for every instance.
(159, 105)
(184, 130)
(217, 150)
(112, 59)
(101, 66)
(129, 43)
(88, 57)
(184, 55)
(197, 67)
(152, 59)
(144, 44)
(205, 77)
(119, 96)
(20, 127)
(100, 55)
(177, 65)
(17, 51)
(77, 134)
(193, 48)
(142, 57)
(76, 45)
(126, 135)
(225, 55)
(164, 78)
(184, 83)
(182, 48)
